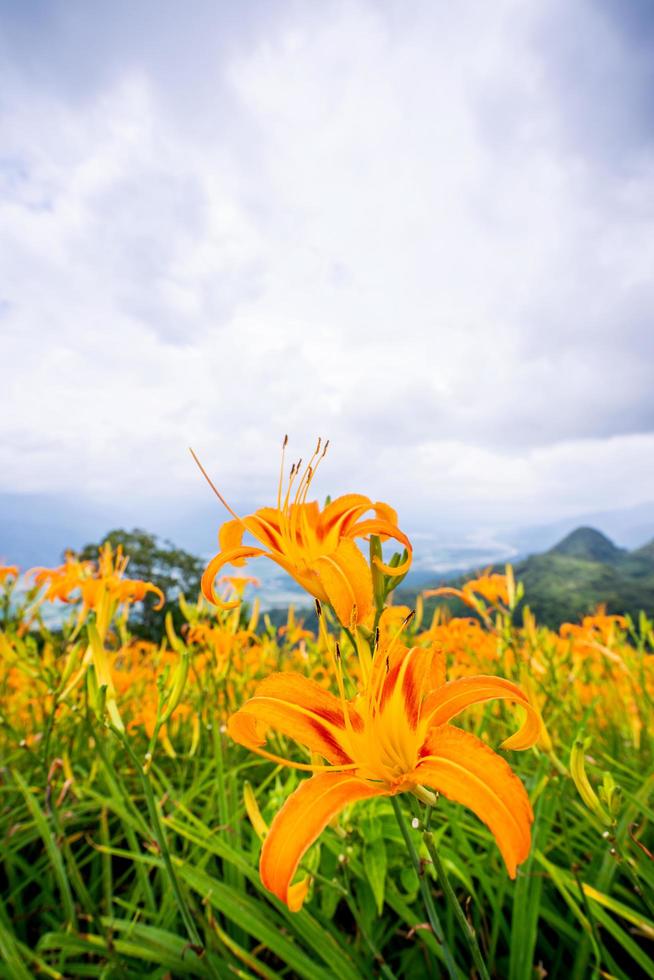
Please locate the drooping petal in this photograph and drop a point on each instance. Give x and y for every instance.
(385, 530)
(157, 591)
(450, 699)
(126, 590)
(234, 555)
(385, 512)
(464, 769)
(346, 578)
(300, 821)
(468, 597)
(299, 708)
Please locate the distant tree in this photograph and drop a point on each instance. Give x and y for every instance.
(160, 562)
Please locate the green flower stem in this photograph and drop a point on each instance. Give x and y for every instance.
(466, 928)
(430, 908)
(160, 837)
(384, 969)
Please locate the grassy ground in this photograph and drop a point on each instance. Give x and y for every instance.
(131, 853)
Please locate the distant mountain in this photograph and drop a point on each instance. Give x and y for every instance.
(629, 526)
(589, 545)
(646, 552)
(562, 582)
(570, 580)
(561, 588)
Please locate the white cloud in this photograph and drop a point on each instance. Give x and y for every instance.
(385, 230)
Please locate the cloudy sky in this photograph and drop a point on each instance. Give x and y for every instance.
(424, 230)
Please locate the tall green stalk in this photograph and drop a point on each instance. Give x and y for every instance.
(430, 908)
(457, 911)
(162, 843)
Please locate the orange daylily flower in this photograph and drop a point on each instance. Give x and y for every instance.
(493, 588)
(238, 583)
(316, 547)
(8, 570)
(84, 580)
(598, 626)
(394, 737)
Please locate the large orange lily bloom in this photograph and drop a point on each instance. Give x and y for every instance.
(316, 547)
(394, 737)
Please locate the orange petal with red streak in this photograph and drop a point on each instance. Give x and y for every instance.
(464, 769)
(299, 708)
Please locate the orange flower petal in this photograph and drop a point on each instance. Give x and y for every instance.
(230, 536)
(300, 821)
(234, 555)
(265, 527)
(127, 590)
(300, 708)
(455, 593)
(404, 685)
(157, 591)
(450, 699)
(385, 512)
(271, 517)
(345, 576)
(297, 893)
(339, 514)
(464, 769)
(385, 530)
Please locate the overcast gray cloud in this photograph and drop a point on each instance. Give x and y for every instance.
(425, 230)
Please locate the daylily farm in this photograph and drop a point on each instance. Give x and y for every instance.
(379, 792)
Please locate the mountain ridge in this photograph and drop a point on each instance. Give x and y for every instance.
(582, 571)
(587, 543)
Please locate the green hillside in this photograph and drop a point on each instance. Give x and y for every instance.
(587, 544)
(575, 576)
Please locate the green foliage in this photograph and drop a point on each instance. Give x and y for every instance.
(573, 579)
(127, 855)
(85, 890)
(563, 588)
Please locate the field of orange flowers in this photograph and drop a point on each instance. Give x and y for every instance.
(385, 796)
